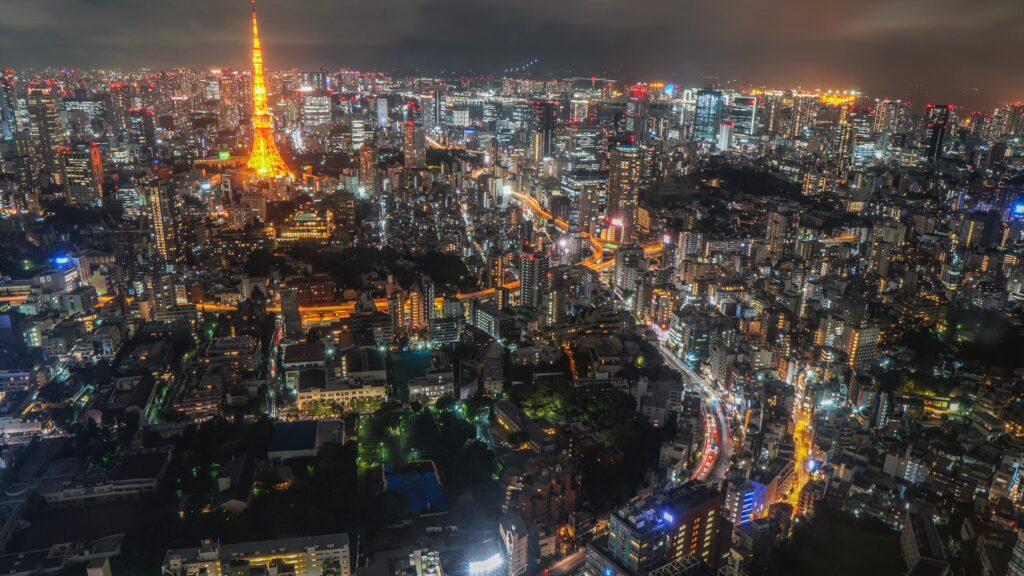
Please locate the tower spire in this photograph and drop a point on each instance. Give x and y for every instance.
(264, 158)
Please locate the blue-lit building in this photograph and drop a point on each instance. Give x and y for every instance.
(684, 521)
(708, 115)
(745, 501)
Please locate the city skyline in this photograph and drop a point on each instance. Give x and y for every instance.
(922, 51)
(309, 317)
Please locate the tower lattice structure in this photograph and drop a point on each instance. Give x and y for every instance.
(264, 158)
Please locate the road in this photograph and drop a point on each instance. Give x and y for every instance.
(568, 565)
(601, 252)
(802, 438)
(717, 435)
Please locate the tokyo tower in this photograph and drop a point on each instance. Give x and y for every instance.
(264, 158)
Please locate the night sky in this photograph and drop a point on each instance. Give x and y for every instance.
(966, 51)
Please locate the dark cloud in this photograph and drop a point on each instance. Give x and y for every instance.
(958, 50)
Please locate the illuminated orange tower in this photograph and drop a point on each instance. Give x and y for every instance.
(264, 158)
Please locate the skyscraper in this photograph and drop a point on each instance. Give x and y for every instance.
(290, 315)
(948, 114)
(1007, 121)
(628, 267)
(142, 134)
(940, 120)
(776, 234)
(743, 114)
(934, 135)
(636, 112)
(8, 119)
(83, 177)
(805, 110)
(119, 104)
(587, 191)
(417, 310)
(708, 115)
(533, 274)
(414, 146)
(891, 117)
(860, 344)
(544, 117)
(771, 112)
(316, 111)
(48, 138)
(428, 298)
(624, 171)
(369, 177)
(383, 112)
(228, 107)
(315, 80)
(264, 158)
(842, 148)
(164, 221)
(515, 538)
(586, 143)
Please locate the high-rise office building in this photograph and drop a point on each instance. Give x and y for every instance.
(429, 294)
(434, 115)
(414, 146)
(842, 148)
(48, 138)
(229, 109)
(624, 173)
(934, 136)
(725, 131)
(383, 111)
(771, 118)
(369, 175)
(776, 235)
(316, 111)
(315, 80)
(940, 121)
(357, 129)
(586, 146)
(862, 121)
(861, 344)
(708, 114)
(498, 268)
(534, 279)
(743, 114)
(8, 117)
(892, 117)
(544, 117)
(1007, 121)
(587, 192)
(427, 111)
(142, 134)
(83, 177)
(805, 111)
(164, 219)
(515, 539)
(948, 114)
(119, 100)
(629, 265)
(417, 310)
(637, 104)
